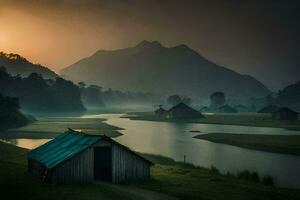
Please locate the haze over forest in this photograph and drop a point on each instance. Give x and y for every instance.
(258, 38)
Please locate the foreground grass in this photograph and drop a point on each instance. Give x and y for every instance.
(198, 183)
(287, 144)
(176, 179)
(186, 181)
(50, 127)
(242, 119)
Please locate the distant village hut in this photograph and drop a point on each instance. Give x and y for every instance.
(160, 112)
(183, 111)
(242, 108)
(269, 109)
(205, 109)
(226, 109)
(74, 157)
(285, 114)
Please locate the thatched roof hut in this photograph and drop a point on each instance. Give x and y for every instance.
(160, 112)
(226, 109)
(269, 109)
(183, 111)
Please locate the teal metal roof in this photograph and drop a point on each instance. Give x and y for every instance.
(62, 147)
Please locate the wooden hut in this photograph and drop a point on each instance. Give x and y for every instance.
(160, 112)
(76, 157)
(269, 109)
(183, 111)
(285, 114)
(226, 109)
(242, 108)
(205, 109)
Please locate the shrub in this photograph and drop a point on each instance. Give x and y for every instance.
(252, 176)
(268, 180)
(214, 170)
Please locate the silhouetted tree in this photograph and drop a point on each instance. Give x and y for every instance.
(217, 99)
(270, 99)
(92, 96)
(174, 100)
(290, 96)
(10, 116)
(187, 100)
(81, 84)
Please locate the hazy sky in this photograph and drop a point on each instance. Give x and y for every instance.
(257, 37)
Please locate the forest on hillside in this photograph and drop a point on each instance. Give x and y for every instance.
(37, 94)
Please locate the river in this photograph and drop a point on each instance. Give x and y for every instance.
(176, 141)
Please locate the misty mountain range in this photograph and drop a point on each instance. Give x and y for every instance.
(151, 67)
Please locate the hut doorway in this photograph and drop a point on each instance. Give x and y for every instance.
(103, 164)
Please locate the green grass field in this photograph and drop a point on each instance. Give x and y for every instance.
(176, 179)
(287, 144)
(243, 119)
(50, 127)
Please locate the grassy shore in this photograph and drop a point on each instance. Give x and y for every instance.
(242, 119)
(180, 180)
(50, 127)
(186, 181)
(191, 183)
(287, 144)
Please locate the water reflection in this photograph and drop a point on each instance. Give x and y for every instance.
(27, 143)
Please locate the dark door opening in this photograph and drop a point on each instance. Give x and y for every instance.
(102, 164)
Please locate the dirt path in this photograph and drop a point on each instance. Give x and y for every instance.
(138, 193)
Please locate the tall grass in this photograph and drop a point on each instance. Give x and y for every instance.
(246, 175)
(253, 176)
(242, 175)
(214, 170)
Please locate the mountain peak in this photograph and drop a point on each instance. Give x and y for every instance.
(148, 44)
(151, 67)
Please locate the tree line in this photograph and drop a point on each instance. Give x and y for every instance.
(40, 95)
(96, 96)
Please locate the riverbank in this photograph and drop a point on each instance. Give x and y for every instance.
(241, 119)
(175, 179)
(285, 144)
(46, 128)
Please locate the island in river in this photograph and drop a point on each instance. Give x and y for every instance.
(286, 144)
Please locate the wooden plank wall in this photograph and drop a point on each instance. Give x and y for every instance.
(35, 168)
(128, 166)
(79, 169)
